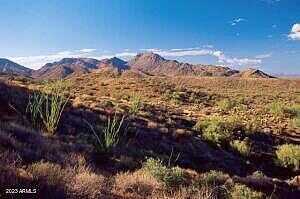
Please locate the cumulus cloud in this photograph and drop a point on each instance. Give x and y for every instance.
(295, 32)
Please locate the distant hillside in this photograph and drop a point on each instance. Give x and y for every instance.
(69, 66)
(144, 63)
(9, 67)
(252, 73)
(155, 64)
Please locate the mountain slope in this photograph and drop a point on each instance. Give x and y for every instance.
(252, 73)
(69, 66)
(155, 64)
(7, 66)
(114, 62)
(144, 63)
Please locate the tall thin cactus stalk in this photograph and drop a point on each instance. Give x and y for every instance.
(109, 137)
(48, 105)
(55, 102)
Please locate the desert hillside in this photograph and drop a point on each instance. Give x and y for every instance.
(132, 135)
(146, 63)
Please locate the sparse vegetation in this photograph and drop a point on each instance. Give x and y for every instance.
(136, 104)
(226, 104)
(47, 105)
(296, 122)
(241, 191)
(241, 147)
(55, 102)
(258, 174)
(173, 96)
(288, 155)
(276, 108)
(46, 171)
(30, 158)
(253, 125)
(295, 113)
(212, 178)
(170, 176)
(214, 129)
(34, 107)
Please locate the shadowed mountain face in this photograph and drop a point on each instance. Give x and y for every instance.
(154, 64)
(147, 63)
(114, 62)
(7, 66)
(68, 66)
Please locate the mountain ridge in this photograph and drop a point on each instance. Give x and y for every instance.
(10, 67)
(147, 63)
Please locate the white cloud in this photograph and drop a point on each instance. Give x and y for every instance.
(263, 56)
(236, 21)
(87, 50)
(35, 62)
(221, 57)
(295, 32)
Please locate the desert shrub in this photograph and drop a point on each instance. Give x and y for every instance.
(203, 192)
(241, 191)
(288, 155)
(226, 104)
(214, 129)
(86, 184)
(169, 176)
(258, 174)
(139, 184)
(136, 104)
(212, 178)
(253, 125)
(294, 110)
(174, 96)
(48, 172)
(296, 122)
(108, 137)
(295, 113)
(242, 147)
(276, 108)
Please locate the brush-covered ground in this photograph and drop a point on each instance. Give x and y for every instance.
(136, 136)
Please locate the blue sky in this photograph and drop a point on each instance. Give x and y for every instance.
(235, 33)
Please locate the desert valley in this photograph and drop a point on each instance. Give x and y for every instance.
(148, 128)
(140, 99)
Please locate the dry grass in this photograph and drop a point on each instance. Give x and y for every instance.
(138, 184)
